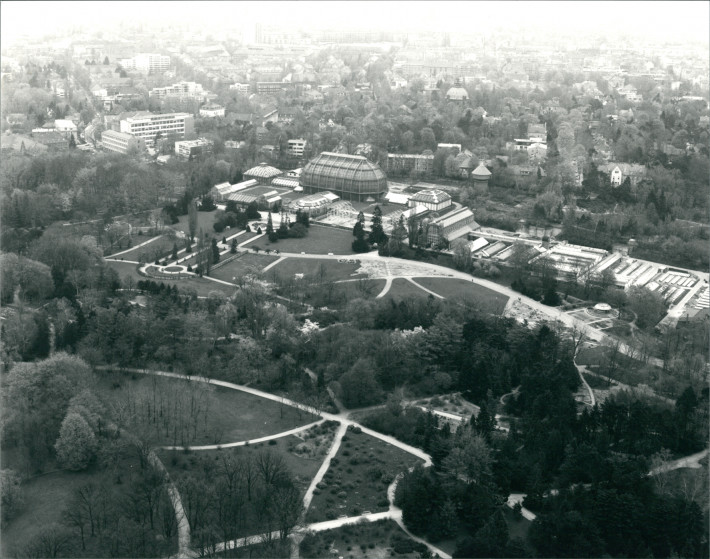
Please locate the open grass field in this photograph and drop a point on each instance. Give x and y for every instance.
(247, 261)
(226, 415)
(202, 286)
(333, 269)
(404, 289)
(459, 290)
(148, 252)
(205, 220)
(320, 240)
(371, 540)
(358, 478)
(365, 289)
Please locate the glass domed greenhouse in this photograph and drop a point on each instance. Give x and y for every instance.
(352, 177)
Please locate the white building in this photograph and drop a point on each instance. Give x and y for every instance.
(187, 148)
(65, 126)
(182, 90)
(211, 111)
(296, 147)
(147, 63)
(242, 88)
(148, 125)
(120, 142)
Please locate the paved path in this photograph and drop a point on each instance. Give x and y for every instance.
(334, 447)
(580, 370)
(388, 283)
(134, 248)
(281, 259)
(344, 424)
(425, 289)
(249, 442)
(442, 271)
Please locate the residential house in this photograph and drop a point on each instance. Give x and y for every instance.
(619, 171)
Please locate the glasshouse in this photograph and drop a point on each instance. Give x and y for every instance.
(352, 177)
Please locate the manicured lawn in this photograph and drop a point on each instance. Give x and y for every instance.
(246, 262)
(202, 286)
(358, 478)
(404, 289)
(148, 252)
(320, 240)
(367, 289)
(334, 270)
(460, 290)
(205, 221)
(379, 540)
(226, 415)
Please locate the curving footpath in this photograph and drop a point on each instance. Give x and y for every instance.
(393, 513)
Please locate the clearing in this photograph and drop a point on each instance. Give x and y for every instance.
(196, 413)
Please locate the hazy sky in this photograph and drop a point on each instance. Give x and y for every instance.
(675, 20)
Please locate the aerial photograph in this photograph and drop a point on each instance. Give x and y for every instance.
(354, 279)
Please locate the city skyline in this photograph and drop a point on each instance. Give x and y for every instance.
(689, 21)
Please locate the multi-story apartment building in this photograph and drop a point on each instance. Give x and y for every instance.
(242, 88)
(270, 88)
(120, 141)
(296, 147)
(211, 111)
(403, 163)
(147, 63)
(191, 148)
(183, 90)
(148, 125)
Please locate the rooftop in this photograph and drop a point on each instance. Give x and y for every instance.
(431, 196)
(481, 171)
(264, 171)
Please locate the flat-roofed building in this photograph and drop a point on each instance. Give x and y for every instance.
(271, 88)
(211, 111)
(403, 163)
(241, 88)
(120, 141)
(147, 63)
(193, 148)
(296, 147)
(181, 90)
(148, 125)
